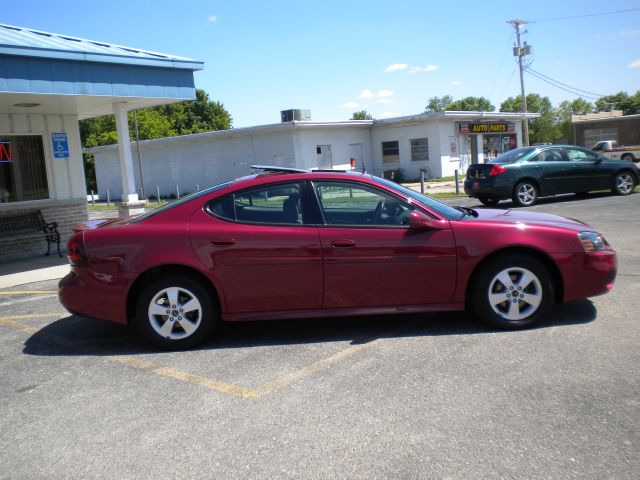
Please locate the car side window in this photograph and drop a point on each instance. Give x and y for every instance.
(551, 156)
(349, 204)
(577, 155)
(274, 204)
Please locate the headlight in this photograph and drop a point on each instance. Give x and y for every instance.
(592, 241)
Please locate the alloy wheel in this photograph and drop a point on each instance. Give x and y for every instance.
(515, 293)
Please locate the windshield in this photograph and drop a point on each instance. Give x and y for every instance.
(178, 202)
(513, 155)
(442, 209)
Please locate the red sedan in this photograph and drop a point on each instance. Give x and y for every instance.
(289, 243)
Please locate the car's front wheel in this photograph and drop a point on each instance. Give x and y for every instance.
(513, 292)
(623, 183)
(525, 194)
(175, 312)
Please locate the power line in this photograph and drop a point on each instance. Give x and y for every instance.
(571, 17)
(592, 52)
(564, 84)
(559, 85)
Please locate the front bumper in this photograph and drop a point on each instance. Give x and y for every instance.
(587, 274)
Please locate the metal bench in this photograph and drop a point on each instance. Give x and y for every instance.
(29, 223)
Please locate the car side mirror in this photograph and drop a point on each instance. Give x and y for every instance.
(421, 221)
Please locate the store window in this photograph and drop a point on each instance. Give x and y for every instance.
(391, 152)
(23, 173)
(419, 149)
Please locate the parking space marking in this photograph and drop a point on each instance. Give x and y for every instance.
(311, 369)
(266, 389)
(184, 376)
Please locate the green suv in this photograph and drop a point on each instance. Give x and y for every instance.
(527, 173)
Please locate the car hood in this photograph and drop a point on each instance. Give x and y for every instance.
(528, 218)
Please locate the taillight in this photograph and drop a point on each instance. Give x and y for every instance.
(76, 252)
(496, 170)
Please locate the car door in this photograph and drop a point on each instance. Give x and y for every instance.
(259, 248)
(371, 258)
(554, 170)
(591, 171)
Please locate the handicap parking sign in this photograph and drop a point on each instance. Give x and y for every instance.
(60, 145)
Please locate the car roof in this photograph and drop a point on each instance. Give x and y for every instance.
(268, 173)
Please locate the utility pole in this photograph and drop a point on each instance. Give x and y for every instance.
(521, 51)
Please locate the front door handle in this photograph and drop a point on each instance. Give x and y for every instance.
(343, 243)
(222, 241)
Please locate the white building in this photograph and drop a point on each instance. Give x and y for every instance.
(48, 82)
(400, 148)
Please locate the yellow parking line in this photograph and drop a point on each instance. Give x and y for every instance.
(193, 379)
(184, 376)
(311, 369)
(28, 292)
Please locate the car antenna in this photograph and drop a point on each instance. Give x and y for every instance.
(363, 167)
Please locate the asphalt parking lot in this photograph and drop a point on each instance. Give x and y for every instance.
(430, 396)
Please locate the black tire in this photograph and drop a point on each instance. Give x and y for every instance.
(528, 298)
(627, 157)
(171, 327)
(525, 194)
(623, 183)
(489, 201)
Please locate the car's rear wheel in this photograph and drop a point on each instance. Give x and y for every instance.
(623, 183)
(627, 157)
(513, 292)
(525, 194)
(175, 312)
(489, 201)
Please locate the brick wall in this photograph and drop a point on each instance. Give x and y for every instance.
(66, 212)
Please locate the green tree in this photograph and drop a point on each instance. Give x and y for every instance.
(563, 113)
(543, 129)
(629, 104)
(361, 115)
(472, 104)
(183, 118)
(438, 104)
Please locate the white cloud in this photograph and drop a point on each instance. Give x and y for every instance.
(213, 18)
(629, 33)
(366, 94)
(380, 94)
(456, 82)
(396, 67)
(351, 105)
(384, 100)
(635, 64)
(428, 68)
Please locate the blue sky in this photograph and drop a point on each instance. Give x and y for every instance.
(336, 57)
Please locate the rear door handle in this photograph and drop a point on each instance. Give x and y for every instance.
(344, 243)
(222, 242)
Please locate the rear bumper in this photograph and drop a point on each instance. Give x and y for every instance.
(95, 295)
(486, 188)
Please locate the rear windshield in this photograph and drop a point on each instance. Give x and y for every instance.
(180, 201)
(513, 155)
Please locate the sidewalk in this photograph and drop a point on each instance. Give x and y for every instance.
(34, 269)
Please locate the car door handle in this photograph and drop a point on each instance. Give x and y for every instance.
(343, 243)
(222, 241)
